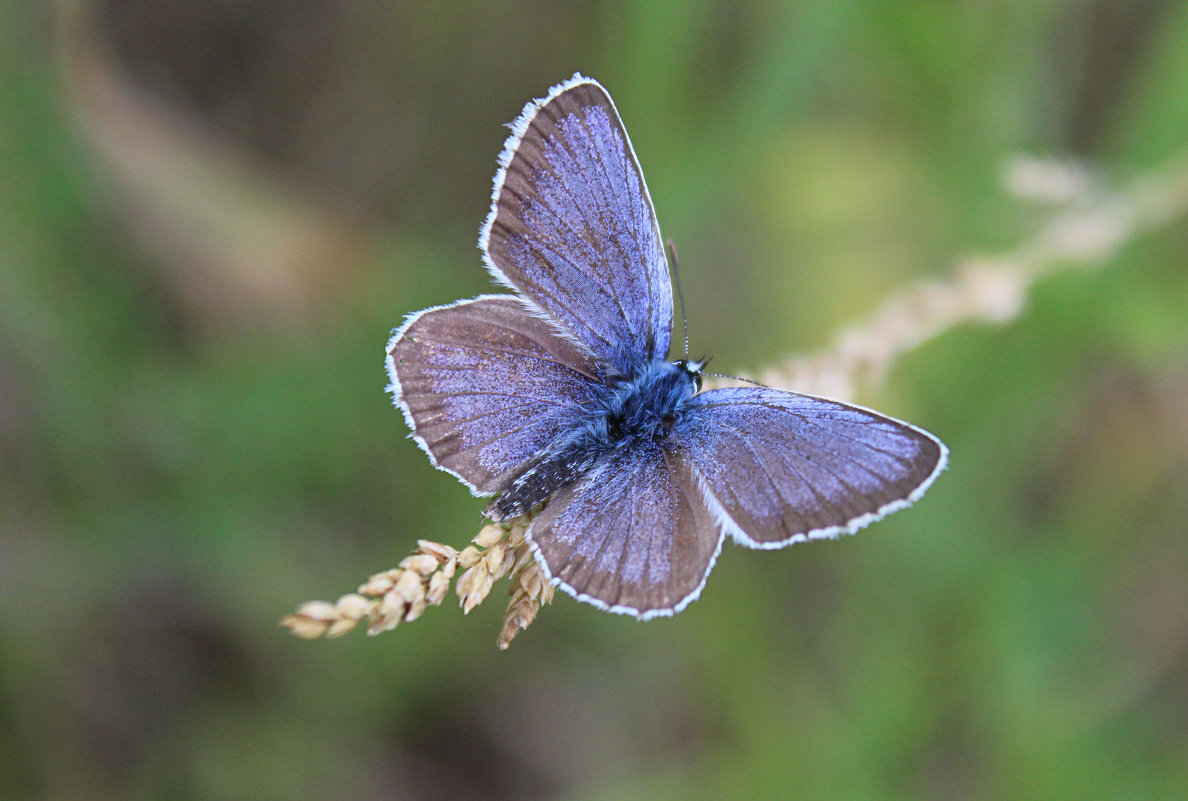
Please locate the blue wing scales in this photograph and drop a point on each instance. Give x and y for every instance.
(633, 537)
(779, 467)
(572, 227)
(486, 387)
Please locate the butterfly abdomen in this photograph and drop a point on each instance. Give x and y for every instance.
(541, 480)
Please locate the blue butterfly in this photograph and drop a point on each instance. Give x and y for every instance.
(563, 391)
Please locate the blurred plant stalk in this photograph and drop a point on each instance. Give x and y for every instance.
(1093, 226)
(231, 239)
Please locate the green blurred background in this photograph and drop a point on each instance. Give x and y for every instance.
(212, 213)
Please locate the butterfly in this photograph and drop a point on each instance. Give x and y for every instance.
(563, 390)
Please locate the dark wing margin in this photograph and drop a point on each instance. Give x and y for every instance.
(573, 230)
(634, 537)
(779, 467)
(485, 386)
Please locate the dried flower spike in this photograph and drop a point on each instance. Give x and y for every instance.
(422, 579)
(385, 600)
(529, 591)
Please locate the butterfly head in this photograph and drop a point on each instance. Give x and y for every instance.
(693, 369)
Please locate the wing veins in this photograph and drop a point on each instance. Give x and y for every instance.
(610, 184)
(775, 447)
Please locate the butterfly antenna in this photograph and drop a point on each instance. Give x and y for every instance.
(734, 378)
(676, 271)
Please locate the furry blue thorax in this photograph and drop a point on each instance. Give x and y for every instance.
(645, 406)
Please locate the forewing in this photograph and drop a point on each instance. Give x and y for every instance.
(634, 537)
(572, 227)
(779, 467)
(485, 386)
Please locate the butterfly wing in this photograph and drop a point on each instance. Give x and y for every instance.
(641, 532)
(485, 386)
(634, 537)
(572, 227)
(779, 467)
